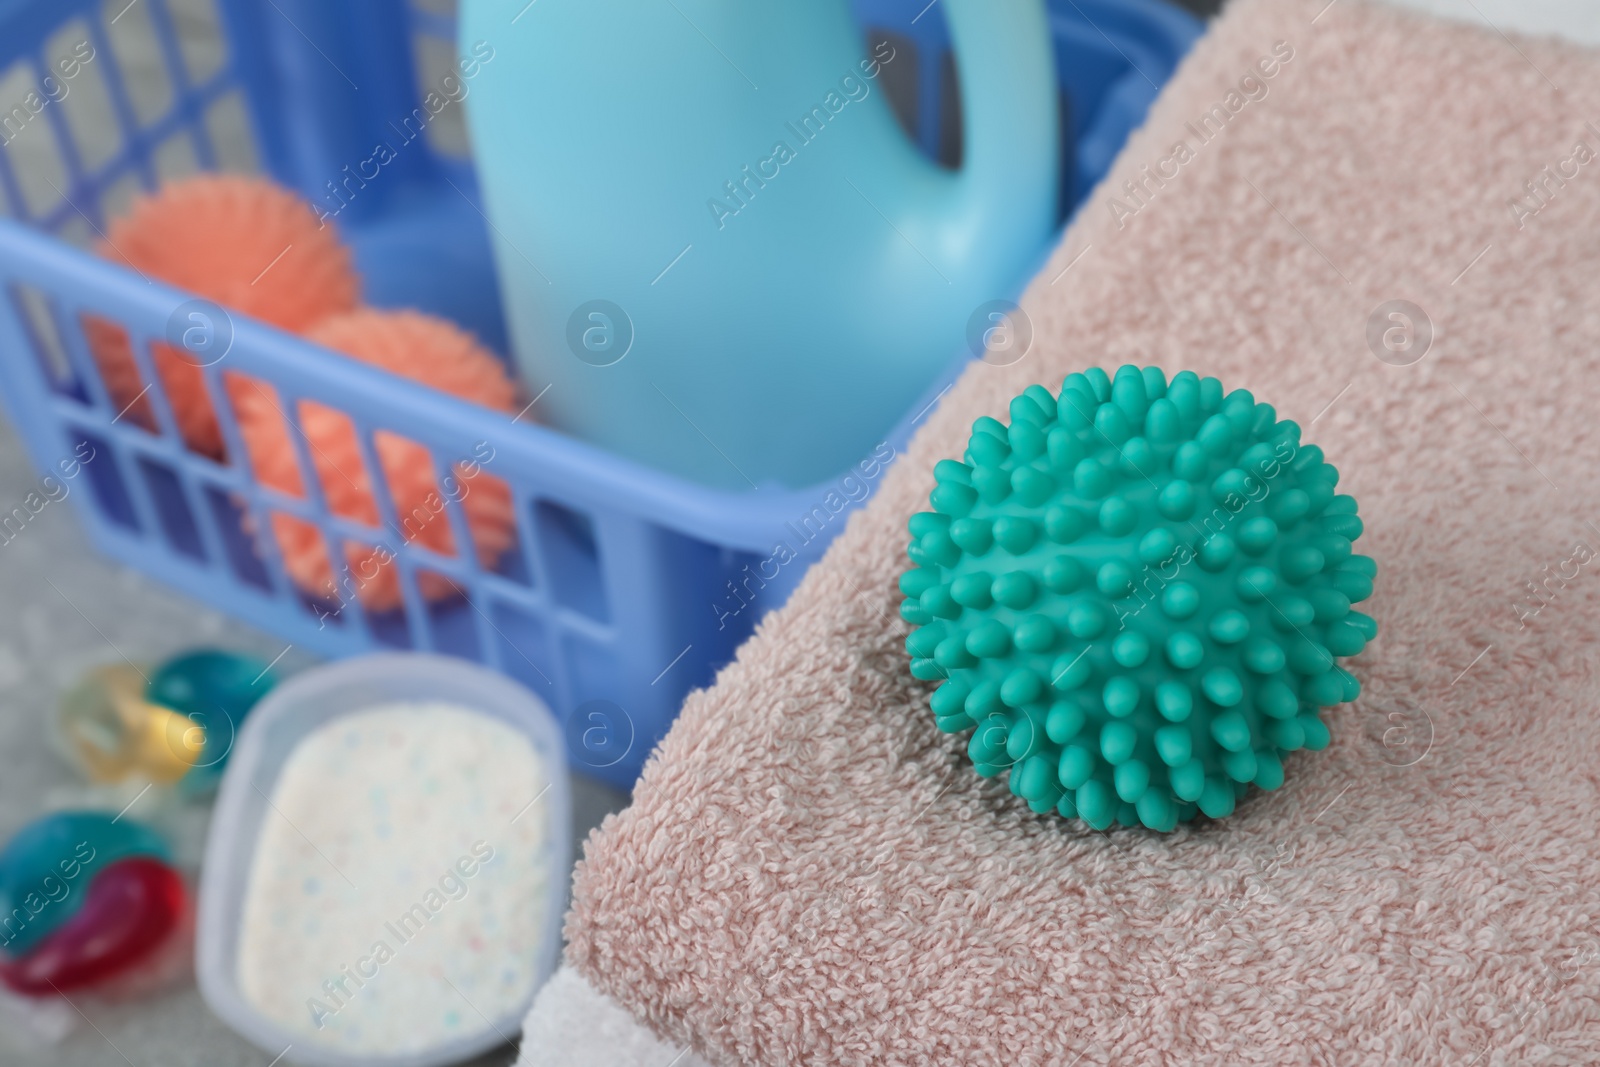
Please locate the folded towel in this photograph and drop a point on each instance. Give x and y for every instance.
(572, 1025)
(811, 873)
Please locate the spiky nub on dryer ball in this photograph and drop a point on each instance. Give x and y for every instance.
(1135, 596)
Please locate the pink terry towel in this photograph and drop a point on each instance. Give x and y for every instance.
(811, 874)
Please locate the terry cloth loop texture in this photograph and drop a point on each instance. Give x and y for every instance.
(811, 874)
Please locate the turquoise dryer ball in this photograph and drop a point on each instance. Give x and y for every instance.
(1135, 596)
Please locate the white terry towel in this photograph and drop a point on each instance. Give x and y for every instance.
(573, 1025)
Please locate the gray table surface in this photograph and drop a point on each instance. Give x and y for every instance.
(67, 610)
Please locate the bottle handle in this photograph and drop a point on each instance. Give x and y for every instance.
(1010, 183)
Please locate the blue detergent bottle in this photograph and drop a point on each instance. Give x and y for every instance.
(716, 246)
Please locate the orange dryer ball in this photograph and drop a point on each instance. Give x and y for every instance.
(427, 350)
(247, 244)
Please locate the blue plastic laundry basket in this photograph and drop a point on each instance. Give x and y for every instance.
(625, 588)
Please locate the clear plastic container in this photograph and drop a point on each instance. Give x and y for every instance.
(273, 730)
